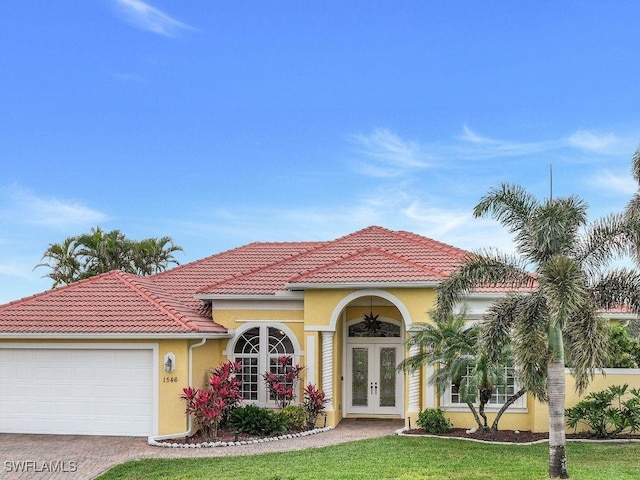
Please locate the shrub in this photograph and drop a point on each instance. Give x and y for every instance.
(432, 420)
(296, 416)
(210, 407)
(282, 383)
(259, 421)
(606, 413)
(624, 350)
(314, 400)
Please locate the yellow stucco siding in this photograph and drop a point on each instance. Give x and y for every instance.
(170, 385)
(232, 318)
(614, 376)
(536, 416)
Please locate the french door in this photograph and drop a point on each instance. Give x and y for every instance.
(374, 386)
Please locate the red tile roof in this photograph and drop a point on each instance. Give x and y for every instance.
(410, 258)
(371, 265)
(116, 302)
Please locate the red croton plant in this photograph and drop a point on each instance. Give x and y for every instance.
(211, 405)
(283, 382)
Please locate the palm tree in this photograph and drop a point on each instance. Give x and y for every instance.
(63, 260)
(96, 252)
(558, 281)
(452, 345)
(103, 252)
(154, 255)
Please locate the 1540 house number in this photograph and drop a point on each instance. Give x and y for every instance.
(169, 379)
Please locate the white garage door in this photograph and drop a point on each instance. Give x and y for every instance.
(93, 391)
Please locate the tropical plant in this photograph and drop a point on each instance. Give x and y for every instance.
(451, 344)
(254, 420)
(608, 413)
(211, 407)
(558, 281)
(432, 420)
(282, 382)
(624, 351)
(314, 404)
(296, 416)
(154, 255)
(64, 262)
(89, 254)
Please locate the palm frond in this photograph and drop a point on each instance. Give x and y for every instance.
(498, 323)
(635, 165)
(586, 344)
(487, 268)
(552, 229)
(509, 204)
(530, 344)
(564, 286)
(617, 288)
(603, 241)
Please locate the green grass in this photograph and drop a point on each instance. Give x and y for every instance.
(400, 458)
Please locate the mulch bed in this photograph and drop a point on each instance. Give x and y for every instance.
(505, 436)
(511, 436)
(224, 435)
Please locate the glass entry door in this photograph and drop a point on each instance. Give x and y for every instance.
(373, 384)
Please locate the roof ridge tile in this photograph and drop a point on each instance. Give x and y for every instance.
(179, 317)
(280, 261)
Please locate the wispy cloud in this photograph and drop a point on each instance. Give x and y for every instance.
(385, 154)
(472, 145)
(148, 18)
(608, 181)
(22, 206)
(607, 143)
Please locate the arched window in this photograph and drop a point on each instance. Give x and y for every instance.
(257, 350)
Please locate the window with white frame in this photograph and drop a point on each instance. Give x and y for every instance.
(258, 349)
(501, 392)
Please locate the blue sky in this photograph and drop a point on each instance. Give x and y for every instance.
(223, 123)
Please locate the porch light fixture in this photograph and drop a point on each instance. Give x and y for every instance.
(371, 320)
(169, 362)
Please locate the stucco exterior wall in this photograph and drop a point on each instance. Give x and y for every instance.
(536, 415)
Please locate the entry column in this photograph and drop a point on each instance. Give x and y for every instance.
(414, 385)
(327, 368)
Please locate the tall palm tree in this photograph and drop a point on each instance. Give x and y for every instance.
(558, 281)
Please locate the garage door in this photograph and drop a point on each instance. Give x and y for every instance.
(85, 391)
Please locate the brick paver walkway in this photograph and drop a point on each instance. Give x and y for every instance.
(39, 457)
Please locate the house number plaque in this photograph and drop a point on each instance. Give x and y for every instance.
(169, 379)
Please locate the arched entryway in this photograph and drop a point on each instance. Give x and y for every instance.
(372, 325)
(372, 383)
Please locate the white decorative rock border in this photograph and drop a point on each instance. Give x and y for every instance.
(470, 439)
(169, 444)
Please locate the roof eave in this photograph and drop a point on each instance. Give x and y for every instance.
(113, 336)
(359, 285)
(279, 295)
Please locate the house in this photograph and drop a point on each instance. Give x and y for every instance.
(110, 355)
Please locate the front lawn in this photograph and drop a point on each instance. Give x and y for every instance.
(398, 457)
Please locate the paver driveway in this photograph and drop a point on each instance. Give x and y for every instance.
(83, 457)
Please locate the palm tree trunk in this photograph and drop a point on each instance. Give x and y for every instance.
(512, 399)
(475, 414)
(556, 393)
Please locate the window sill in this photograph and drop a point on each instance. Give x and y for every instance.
(492, 409)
